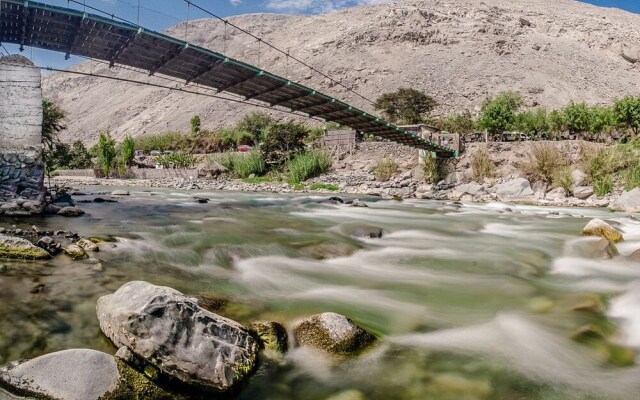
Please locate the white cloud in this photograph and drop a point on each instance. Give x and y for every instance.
(235, 2)
(319, 6)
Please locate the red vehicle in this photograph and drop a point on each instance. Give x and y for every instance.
(244, 147)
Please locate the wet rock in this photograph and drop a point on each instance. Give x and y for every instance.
(184, 341)
(87, 245)
(348, 395)
(71, 212)
(201, 200)
(120, 193)
(597, 227)
(332, 333)
(358, 203)
(21, 249)
(323, 251)
(592, 305)
(368, 231)
(52, 209)
(336, 200)
(583, 192)
(47, 243)
(273, 335)
(592, 247)
(635, 256)
(628, 201)
(75, 252)
(77, 374)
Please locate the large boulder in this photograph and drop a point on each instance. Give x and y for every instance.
(628, 201)
(71, 212)
(77, 374)
(21, 249)
(583, 192)
(579, 178)
(515, 189)
(184, 341)
(471, 189)
(597, 227)
(333, 333)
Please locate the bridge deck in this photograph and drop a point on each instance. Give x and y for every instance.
(76, 33)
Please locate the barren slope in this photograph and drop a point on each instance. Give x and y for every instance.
(460, 51)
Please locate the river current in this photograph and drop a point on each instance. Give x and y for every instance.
(470, 301)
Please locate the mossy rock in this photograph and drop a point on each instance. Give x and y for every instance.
(597, 227)
(136, 386)
(76, 252)
(87, 245)
(21, 249)
(332, 333)
(271, 335)
(348, 395)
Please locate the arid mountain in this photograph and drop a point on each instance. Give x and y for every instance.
(459, 51)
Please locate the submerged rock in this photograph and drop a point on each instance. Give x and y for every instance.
(71, 212)
(77, 374)
(120, 193)
(372, 232)
(184, 341)
(597, 227)
(76, 252)
(635, 256)
(273, 335)
(21, 249)
(333, 333)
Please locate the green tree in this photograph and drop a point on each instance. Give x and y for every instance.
(283, 141)
(499, 114)
(195, 125)
(128, 150)
(79, 157)
(556, 122)
(256, 124)
(408, 106)
(601, 120)
(532, 123)
(627, 113)
(53, 152)
(577, 117)
(106, 149)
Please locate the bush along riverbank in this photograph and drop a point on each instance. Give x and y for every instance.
(569, 173)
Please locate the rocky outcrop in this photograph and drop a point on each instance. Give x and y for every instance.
(77, 374)
(628, 201)
(184, 341)
(332, 333)
(597, 227)
(22, 249)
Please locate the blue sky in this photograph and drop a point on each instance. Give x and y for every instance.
(159, 14)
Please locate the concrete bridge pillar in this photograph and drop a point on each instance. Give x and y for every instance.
(22, 191)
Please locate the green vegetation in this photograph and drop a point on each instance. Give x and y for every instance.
(306, 165)
(283, 140)
(405, 106)
(463, 123)
(431, 169)
(177, 160)
(106, 150)
(544, 160)
(195, 125)
(481, 165)
(167, 141)
(258, 179)
(256, 124)
(384, 170)
(562, 178)
(128, 150)
(626, 112)
(242, 165)
(499, 114)
(602, 164)
(324, 186)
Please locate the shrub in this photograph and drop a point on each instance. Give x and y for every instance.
(564, 179)
(79, 157)
(543, 161)
(324, 186)
(177, 160)
(627, 113)
(498, 114)
(283, 140)
(128, 150)
(603, 185)
(532, 123)
(385, 169)
(195, 125)
(106, 149)
(632, 177)
(406, 105)
(242, 165)
(307, 165)
(481, 165)
(256, 124)
(577, 117)
(431, 169)
(174, 141)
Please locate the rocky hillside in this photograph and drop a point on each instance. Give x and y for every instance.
(459, 51)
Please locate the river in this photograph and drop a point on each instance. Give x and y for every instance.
(470, 301)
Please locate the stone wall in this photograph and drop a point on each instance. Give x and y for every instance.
(21, 168)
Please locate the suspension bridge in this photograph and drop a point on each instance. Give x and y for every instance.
(74, 32)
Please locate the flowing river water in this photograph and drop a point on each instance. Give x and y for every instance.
(469, 301)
